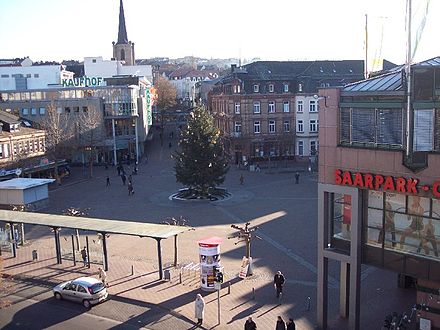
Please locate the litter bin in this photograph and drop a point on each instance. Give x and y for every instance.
(167, 275)
(34, 255)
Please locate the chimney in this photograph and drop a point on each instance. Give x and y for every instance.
(233, 67)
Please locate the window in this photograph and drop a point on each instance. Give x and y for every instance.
(271, 106)
(94, 60)
(271, 89)
(299, 106)
(256, 88)
(313, 125)
(81, 288)
(424, 130)
(313, 148)
(257, 107)
(237, 127)
(286, 107)
(236, 89)
(300, 126)
(286, 126)
(237, 108)
(371, 126)
(67, 109)
(76, 109)
(256, 127)
(312, 106)
(271, 126)
(286, 88)
(5, 76)
(28, 75)
(300, 87)
(59, 110)
(301, 148)
(36, 75)
(42, 111)
(25, 112)
(33, 111)
(85, 109)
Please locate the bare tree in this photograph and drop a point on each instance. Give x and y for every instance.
(59, 135)
(90, 133)
(166, 98)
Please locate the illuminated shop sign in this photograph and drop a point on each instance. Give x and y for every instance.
(384, 182)
(82, 82)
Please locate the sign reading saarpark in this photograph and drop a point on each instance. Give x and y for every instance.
(384, 182)
(82, 82)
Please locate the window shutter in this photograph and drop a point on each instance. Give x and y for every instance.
(389, 122)
(363, 125)
(423, 130)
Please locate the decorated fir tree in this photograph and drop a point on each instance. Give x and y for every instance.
(201, 163)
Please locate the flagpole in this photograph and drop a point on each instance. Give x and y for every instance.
(366, 46)
(409, 118)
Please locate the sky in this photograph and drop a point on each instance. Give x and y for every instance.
(269, 30)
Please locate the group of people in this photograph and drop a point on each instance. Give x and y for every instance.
(121, 173)
(280, 325)
(250, 324)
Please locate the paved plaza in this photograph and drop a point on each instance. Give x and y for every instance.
(285, 212)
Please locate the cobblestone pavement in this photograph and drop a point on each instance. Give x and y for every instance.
(285, 212)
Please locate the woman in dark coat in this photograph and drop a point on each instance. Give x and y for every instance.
(280, 324)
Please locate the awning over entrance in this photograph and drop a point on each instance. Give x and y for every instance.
(104, 226)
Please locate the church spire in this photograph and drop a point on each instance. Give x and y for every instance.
(122, 32)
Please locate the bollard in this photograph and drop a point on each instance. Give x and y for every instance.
(180, 277)
(132, 270)
(229, 287)
(308, 303)
(253, 293)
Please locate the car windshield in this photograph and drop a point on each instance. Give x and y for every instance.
(97, 287)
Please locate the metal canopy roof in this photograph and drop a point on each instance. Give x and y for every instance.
(157, 231)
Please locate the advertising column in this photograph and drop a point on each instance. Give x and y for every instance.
(209, 253)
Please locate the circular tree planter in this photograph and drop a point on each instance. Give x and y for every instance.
(188, 194)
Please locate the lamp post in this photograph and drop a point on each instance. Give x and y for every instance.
(245, 234)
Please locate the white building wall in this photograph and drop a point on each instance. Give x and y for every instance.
(98, 67)
(306, 116)
(37, 77)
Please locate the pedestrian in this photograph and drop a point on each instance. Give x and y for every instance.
(278, 282)
(250, 324)
(257, 168)
(130, 179)
(241, 179)
(296, 177)
(84, 256)
(108, 180)
(102, 276)
(119, 169)
(130, 188)
(290, 324)
(280, 324)
(124, 178)
(199, 309)
(170, 145)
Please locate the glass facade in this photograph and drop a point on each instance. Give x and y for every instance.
(405, 224)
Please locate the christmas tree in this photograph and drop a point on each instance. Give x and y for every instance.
(200, 163)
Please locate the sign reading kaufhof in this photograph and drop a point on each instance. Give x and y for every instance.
(385, 183)
(82, 82)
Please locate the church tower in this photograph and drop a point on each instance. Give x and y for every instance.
(123, 50)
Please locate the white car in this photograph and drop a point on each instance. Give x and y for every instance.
(86, 290)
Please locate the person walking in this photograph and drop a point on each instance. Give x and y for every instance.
(241, 179)
(290, 325)
(280, 324)
(250, 324)
(84, 256)
(296, 177)
(102, 276)
(108, 181)
(123, 178)
(199, 309)
(130, 188)
(278, 282)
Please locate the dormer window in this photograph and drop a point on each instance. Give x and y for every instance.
(271, 89)
(286, 88)
(300, 87)
(256, 88)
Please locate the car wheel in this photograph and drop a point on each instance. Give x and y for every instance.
(87, 304)
(58, 296)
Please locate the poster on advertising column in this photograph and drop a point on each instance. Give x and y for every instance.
(209, 253)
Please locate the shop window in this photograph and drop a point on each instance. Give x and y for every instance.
(340, 222)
